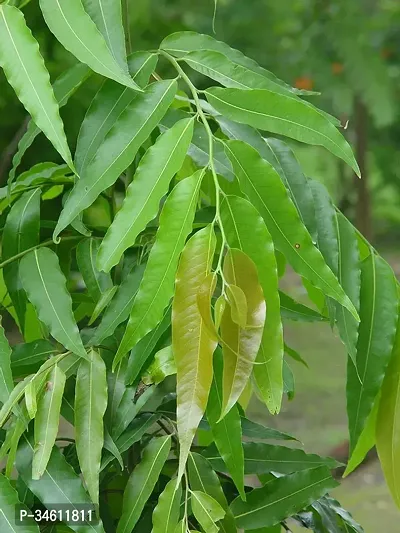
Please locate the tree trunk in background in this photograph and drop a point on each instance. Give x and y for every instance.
(363, 198)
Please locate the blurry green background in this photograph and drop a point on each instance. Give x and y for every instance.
(349, 50)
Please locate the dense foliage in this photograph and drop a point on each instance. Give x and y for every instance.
(144, 273)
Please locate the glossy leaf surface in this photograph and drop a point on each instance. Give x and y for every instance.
(206, 510)
(97, 283)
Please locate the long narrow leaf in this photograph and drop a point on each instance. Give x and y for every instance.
(9, 502)
(6, 377)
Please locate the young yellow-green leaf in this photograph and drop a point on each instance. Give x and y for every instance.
(30, 399)
(266, 191)
(246, 230)
(378, 312)
(90, 406)
(21, 231)
(162, 366)
(9, 502)
(25, 70)
(110, 101)
(45, 286)
(219, 309)
(150, 183)
(238, 303)
(6, 377)
(191, 342)
(156, 287)
(240, 346)
(283, 115)
(47, 420)
(15, 395)
(282, 497)
(181, 527)
(206, 510)
(227, 433)
(77, 32)
(119, 148)
(204, 297)
(97, 283)
(107, 15)
(142, 482)
(167, 511)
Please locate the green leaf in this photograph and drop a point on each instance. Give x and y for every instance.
(378, 313)
(387, 432)
(111, 446)
(90, 406)
(115, 389)
(102, 304)
(25, 70)
(110, 101)
(26, 358)
(142, 482)
(268, 194)
(283, 115)
(253, 430)
(58, 485)
(206, 510)
(30, 399)
(245, 229)
(45, 286)
(77, 32)
(227, 433)
(157, 285)
(241, 345)
(162, 366)
(150, 183)
(260, 458)
(15, 395)
(282, 497)
(97, 283)
(288, 381)
(6, 378)
(47, 420)
(64, 87)
(128, 410)
(8, 504)
(192, 344)
(119, 148)
(167, 511)
(21, 231)
(136, 430)
(295, 355)
(293, 310)
(107, 15)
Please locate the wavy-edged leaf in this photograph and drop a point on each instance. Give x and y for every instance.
(90, 406)
(110, 101)
(58, 485)
(77, 32)
(378, 312)
(47, 420)
(191, 342)
(256, 431)
(283, 115)
(26, 358)
(119, 148)
(150, 183)
(227, 433)
(107, 15)
(206, 510)
(296, 311)
(9, 502)
(64, 86)
(167, 511)
(282, 497)
(45, 286)
(240, 346)
(162, 366)
(142, 482)
(6, 377)
(25, 70)
(268, 194)
(156, 287)
(245, 229)
(97, 283)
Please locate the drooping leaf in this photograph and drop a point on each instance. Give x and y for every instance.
(25, 70)
(31, 400)
(256, 431)
(102, 304)
(293, 310)
(136, 430)
(47, 420)
(77, 32)
(204, 298)
(97, 283)
(238, 304)
(378, 312)
(192, 344)
(44, 284)
(245, 229)
(283, 115)
(227, 433)
(142, 482)
(26, 358)
(128, 409)
(21, 232)
(9, 502)
(118, 149)
(167, 511)
(295, 355)
(282, 497)
(110, 101)
(111, 446)
(115, 390)
(6, 378)
(240, 346)
(90, 406)
(150, 183)
(156, 287)
(268, 194)
(207, 511)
